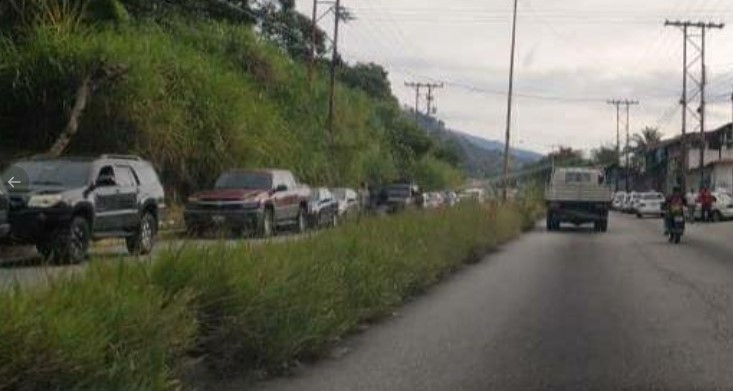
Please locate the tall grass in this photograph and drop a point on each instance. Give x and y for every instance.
(124, 326)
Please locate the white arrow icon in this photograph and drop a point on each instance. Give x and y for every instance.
(12, 182)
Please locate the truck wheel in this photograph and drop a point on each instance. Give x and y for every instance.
(598, 226)
(267, 225)
(142, 242)
(72, 242)
(604, 226)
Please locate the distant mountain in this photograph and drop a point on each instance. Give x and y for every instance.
(481, 158)
(523, 155)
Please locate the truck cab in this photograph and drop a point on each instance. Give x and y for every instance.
(578, 196)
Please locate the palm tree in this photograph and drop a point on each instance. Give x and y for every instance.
(648, 137)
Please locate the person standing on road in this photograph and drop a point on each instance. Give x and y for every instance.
(706, 201)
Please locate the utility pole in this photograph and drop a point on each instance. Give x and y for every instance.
(510, 94)
(628, 123)
(417, 87)
(617, 103)
(334, 59)
(697, 42)
(314, 38)
(431, 98)
(627, 103)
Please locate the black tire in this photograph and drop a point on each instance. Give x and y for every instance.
(45, 249)
(301, 221)
(604, 226)
(639, 216)
(717, 216)
(71, 244)
(267, 224)
(143, 241)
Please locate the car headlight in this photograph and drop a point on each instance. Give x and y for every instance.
(44, 201)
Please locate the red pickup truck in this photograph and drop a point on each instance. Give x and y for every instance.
(250, 201)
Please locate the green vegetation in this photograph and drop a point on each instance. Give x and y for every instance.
(125, 326)
(200, 92)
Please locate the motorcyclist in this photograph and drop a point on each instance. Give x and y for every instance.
(674, 203)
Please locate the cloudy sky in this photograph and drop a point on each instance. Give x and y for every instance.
(572, 55)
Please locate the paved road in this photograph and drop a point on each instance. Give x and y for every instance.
(557, 311)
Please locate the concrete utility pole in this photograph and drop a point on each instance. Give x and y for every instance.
(334, 59)
(510, 95)
(617, 103)
(430, 98)
(697, 42)
(419, 86)
(628, 103)
(314, 38)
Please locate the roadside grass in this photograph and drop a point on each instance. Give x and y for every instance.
(236, 309)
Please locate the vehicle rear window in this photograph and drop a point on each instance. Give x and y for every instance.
(578, 177)
(244, 180)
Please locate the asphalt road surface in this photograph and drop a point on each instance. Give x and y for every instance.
(571, 310)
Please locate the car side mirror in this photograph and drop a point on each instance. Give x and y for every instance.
(105, 181)
(281, 188)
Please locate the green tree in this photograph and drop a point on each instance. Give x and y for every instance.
(605, 155)
(370, 78)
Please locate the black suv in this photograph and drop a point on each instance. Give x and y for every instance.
(63, 203)
(4, 226)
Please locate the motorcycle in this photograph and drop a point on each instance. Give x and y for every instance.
(676, 225)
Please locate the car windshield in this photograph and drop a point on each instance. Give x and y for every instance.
(244, 180)
(61, 173)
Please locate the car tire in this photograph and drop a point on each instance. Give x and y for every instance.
(45, 249)
(717, 216)
(267, 224)
(71, 244)
(302, 221)
(143, 241)
(639, 216)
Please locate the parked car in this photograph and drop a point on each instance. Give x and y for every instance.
(451, 198)
(4, 225)
(434, 200)
(323, 208)
(722, 208)
(69, 201)
(618, 201)
(250, 202)
(400, 196)
(629, 202)
(649, 204)
(348, 202)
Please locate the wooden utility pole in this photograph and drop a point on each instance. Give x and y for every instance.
(507, 138)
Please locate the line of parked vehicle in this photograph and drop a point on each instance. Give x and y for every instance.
(649, 204)
(60, 205)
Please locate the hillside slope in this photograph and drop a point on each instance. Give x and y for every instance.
(479, 157)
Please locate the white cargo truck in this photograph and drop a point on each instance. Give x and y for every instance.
(578, 196)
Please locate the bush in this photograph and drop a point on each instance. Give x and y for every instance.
(124, 326)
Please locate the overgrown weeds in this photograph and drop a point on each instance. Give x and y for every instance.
(125, 325)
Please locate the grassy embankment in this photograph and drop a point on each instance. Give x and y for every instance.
(131, 326)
